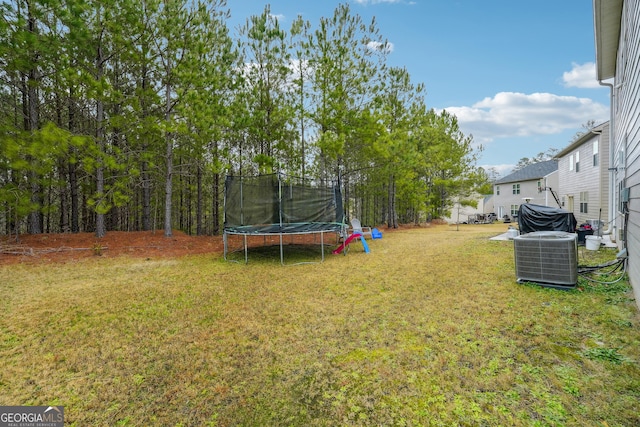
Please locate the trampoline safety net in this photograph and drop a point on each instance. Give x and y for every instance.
(277, 204)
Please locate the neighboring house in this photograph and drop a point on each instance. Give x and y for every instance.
(461, 213)
(530, 184)
(617, 41)
(583, 176)
(488, 204)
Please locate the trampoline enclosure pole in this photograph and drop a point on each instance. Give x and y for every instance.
(280, 217)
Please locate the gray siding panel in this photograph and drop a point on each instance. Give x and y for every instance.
(588, 178)
(605, 175)
(528, 189)
(627, 129)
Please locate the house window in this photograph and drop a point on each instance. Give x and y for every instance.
(515, 189)
(571, 162)
(595, 153)
(584, 202)
(539, 186)
(497, 190)
(514, 210)
(577, 161)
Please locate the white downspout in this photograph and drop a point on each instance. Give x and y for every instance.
(612, 172)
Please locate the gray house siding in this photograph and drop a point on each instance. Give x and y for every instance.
(620, 39)
(606, 185)
(513, 194)
(523, 186)
(583, 178)
(627, 133)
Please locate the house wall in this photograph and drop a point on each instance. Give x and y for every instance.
(528, 189)
(460, 214)
(507, 198)
(586, 178)
(608, 217)
(550, 181)
(488, 204)
(626, 119)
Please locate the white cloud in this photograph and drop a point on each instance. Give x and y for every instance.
(512, 114)
(501, 170)
(581, 76)
(386, 47)
(366, 2)
(277, 17)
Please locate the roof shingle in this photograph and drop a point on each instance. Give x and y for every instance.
(531, 172)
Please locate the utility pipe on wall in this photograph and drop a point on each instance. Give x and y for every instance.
(612, 171)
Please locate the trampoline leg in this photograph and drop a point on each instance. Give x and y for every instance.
(224, 245)
(246, 252)
(281, 251)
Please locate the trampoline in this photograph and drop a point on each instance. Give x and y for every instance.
(277, 205)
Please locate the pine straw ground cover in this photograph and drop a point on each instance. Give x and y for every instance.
(429, 329)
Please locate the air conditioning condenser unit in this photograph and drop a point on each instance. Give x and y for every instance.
(548, 258)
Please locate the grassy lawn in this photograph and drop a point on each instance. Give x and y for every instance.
(429, 329)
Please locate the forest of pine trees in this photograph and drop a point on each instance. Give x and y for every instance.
(128, 114)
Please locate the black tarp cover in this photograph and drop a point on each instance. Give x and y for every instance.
(278, 204)
(544, 218)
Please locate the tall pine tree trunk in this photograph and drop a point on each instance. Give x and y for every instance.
(168, 187)
(199, 199)
(31, 87)
(146, 178)
(101, 230)
(168, 184)
(72, 171)
(216, 203)
(73, 195)
(146, 196)
(392, 217)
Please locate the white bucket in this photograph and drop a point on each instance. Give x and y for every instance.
(512, 233)
(593, 242)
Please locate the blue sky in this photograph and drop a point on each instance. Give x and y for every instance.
(519, 75)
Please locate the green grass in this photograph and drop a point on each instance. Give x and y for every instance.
(429, 329)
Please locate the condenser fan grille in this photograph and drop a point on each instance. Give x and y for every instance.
(547, 258)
